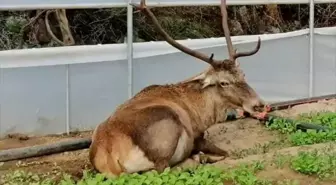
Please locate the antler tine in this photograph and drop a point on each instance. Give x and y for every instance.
(232, 52)
(171, 41)
(248, 53)
(226, 30)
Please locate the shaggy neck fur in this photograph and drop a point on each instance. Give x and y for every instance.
(207, 103)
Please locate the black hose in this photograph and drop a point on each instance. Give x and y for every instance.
(299, 126)
(40, 150)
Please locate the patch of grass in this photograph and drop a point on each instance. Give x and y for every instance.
(315, 163)
(297, 137)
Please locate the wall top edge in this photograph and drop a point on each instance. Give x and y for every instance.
(73, 4)
(117, 52)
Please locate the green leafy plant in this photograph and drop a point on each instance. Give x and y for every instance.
(314, 163)
(325, 118)
(244, 174)
(21, 177)
(297, 137)
(282, 125)
(311, 137)
(203, 174)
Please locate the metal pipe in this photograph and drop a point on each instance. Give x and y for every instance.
(67, 100)
(334, 46)
(1, 95)
(113, 4)
(130, 48)
(311, 48)
(291, 103)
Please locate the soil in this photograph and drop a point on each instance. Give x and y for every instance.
(233, 136)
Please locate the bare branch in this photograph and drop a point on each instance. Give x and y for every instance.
(49, 28)
(64, 27)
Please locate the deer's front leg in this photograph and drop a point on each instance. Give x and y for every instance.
(207, 152)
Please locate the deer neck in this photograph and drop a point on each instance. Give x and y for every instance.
(207, 106)
(215, 108)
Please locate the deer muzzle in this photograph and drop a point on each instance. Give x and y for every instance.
(256, 107)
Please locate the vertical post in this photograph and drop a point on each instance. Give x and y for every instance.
(1, 95)
(67, 103)
(311, 48)
(130, 48)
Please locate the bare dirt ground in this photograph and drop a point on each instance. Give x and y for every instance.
(245, 139)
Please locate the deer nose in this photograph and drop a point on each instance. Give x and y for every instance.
(255, 106)
(261, 106)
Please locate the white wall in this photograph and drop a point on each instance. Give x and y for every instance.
(35, 98)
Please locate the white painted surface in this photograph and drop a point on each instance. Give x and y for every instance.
(54, 4)
(33, 81)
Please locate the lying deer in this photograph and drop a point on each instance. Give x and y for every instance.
(163, 125)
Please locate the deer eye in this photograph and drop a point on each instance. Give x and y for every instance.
(223, 84)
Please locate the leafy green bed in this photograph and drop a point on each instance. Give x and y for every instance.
(200, 175)
(298, 137)
(244, 174)
(204, 174)
(317, 163)
(321, 164)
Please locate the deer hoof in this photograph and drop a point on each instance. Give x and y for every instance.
(207, 158)
(214, 159)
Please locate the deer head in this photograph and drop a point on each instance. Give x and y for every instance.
(224, 76)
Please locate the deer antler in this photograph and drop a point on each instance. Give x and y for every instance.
(208, 59)
(232, 52)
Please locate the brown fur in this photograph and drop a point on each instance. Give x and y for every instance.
(155, 117)
(164, 124)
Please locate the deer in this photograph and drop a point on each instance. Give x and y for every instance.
(163, 125)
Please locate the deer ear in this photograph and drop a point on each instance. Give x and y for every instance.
(237, 63)
(199, 77)
(206, 80)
